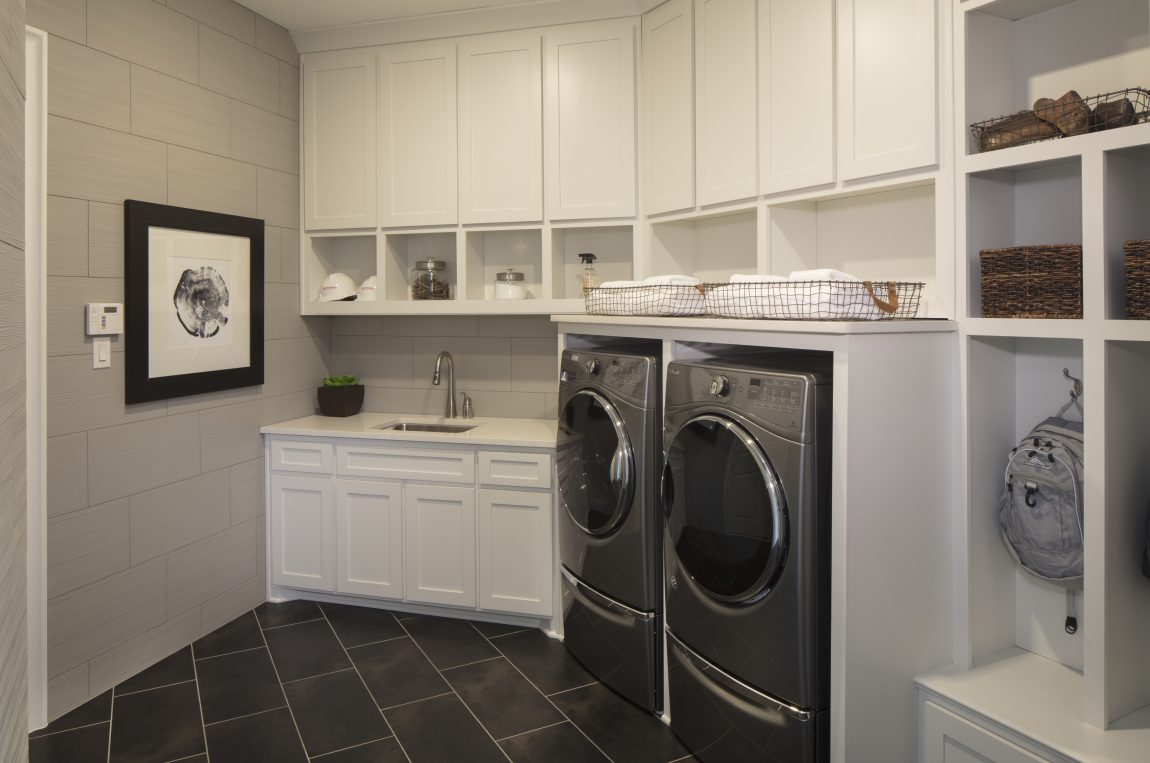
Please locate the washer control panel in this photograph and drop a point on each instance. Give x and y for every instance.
(720, 386)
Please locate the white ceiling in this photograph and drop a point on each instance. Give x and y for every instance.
(297, 15)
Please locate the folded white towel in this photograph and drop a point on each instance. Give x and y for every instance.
(821, 274)
(753, 278)
(620, 284)
(672, 281)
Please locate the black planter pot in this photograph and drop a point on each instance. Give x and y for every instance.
(340, 401)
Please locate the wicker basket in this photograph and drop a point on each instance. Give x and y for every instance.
(814, 300)
(1032, 281)
(1106, 111)
(1137, 279)
(669, 300)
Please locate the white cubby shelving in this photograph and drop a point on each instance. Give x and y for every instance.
(403, 250)
(710, 247)
(354, 254)
(489, 252)
(1126, 196)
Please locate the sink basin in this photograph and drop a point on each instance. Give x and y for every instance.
(414, 426)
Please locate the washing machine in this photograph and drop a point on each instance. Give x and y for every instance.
(745, 497)
(609, 530)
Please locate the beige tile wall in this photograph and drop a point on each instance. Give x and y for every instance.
(156, 510)
(508, 365)
(13, 496)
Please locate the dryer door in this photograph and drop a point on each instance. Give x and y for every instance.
(595, 463)
(726, 512)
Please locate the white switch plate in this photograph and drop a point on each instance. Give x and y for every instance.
(102, 352)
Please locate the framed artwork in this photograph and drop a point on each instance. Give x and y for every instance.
(193, 301)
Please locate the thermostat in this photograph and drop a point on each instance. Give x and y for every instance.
(105, 318)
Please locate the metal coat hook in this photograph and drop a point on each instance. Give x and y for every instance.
(1077, 391)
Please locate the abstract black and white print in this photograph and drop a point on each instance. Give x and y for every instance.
(202, 301)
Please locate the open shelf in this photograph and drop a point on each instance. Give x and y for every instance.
(712, 248)
(1013, 384)
(1020, 50)
(1027, 205)
(613, 247)
(493, 251)
(403, 250)
(352, 254)
(1127, 216)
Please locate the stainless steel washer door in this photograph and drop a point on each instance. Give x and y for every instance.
(595, 463)
(726, 511)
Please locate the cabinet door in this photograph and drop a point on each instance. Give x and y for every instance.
(417, 134)
(590, 121)
(303, 532)
(949, 738)
(500, 129)
(669, 107)
(796, 94)
(725, 114)
(439, 544)
(339, 136)
(515, 562)
(886, 79)
(369, 538)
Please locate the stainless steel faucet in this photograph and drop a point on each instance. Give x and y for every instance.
(449, 407)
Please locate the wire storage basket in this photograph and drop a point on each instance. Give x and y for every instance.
(669, 300)
(1032, 281)
(814, 300)
(1137, 279)
(1067, 116)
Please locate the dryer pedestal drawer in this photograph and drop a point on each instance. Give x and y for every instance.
(424, 464)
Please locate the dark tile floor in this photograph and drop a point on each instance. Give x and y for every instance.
(303, 681)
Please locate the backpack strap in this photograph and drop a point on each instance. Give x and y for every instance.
(1076, 404)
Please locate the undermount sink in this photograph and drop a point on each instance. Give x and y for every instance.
(414, 426)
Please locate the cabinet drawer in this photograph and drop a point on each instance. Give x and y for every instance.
(302, 456)
(515, 469)
(406, 464)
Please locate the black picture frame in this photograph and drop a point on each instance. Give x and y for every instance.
(143, 219)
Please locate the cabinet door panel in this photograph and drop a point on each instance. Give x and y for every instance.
(302, 528)
(369, 532)
(949, 738)
(501, 130)
(515, 562)
(418, 135)
(669, 105)
(339, 169)
(405, 463)
(887, 90)
(796, 94)
(591, 121)
(725, 92)
(439, 534)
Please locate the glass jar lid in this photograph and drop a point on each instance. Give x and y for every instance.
(509, 275)
(430, 264)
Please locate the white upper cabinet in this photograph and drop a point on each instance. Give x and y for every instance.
(339, 147)
(590, 121)
(417, 126)
(887, 91)
(669, 107)
(725, 90)
(500, 129)
(796, 94)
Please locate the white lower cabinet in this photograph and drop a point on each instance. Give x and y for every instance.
(456, 527)
(515, 551)
(303, 531)
(369, 538)
(950, 738)
(439, 530)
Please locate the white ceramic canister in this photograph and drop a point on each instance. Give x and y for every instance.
(509, 285)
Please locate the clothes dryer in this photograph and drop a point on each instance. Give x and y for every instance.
(609, 531)
(745, 494)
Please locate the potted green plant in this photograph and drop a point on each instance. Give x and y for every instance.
(340, 396)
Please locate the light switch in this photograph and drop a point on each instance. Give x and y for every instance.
(102, 352)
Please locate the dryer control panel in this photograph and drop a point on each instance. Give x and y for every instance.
(630, 375)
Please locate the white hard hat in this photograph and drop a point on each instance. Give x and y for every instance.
(367, 290)
(337, 287)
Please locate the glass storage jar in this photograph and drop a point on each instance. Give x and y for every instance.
(429, 280)
(509, 285)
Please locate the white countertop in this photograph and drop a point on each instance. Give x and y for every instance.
(514, 433)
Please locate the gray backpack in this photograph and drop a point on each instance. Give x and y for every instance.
(1040, 513)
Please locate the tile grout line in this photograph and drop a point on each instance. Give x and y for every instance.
(532, 731)
(573, 688)
(111, 716)
(200, 703)
(154, 688)
(362, 681)
(354, 746)
(557, 708)
(453, 691)
(42, 734)
(289, 625)
(228, 654)
(414, 701)
(317, 675)
(468, 664)
(369, 643)
(276, 670)
(245, 715)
